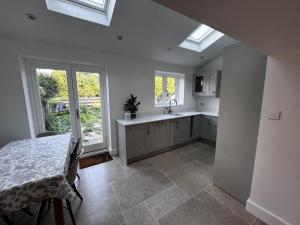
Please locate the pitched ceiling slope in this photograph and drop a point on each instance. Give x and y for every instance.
(271, 26)
(148, 28)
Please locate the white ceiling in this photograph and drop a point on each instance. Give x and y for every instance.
(148, 28)
(269, 25)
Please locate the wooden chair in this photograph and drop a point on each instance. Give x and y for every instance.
(71, 177)
(5, 218)
(46, 134)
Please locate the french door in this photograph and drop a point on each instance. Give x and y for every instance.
(69, 98)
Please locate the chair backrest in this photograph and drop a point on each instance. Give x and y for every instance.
(74, 150)
(46, 134)
(74, 161)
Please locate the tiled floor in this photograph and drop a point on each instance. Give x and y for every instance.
(174, 188)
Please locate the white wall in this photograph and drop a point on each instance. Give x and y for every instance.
(244, 71)
(126, 75)
(209, 103)
(275, 194)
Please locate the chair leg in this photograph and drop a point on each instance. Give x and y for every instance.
(49, 203)
(6, 220)
(41, 210)
(78, 176)
(70, 211)
(77, 192)
(27, 211)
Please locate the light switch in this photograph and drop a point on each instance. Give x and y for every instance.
(275, 115)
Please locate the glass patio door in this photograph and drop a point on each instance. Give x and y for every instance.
(69, 98)
(89, 90)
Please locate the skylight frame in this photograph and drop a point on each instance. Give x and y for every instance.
(90, 4)
(203, 42)
(100, 15)
(208, 31)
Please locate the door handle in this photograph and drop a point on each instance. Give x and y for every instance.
(77, 114)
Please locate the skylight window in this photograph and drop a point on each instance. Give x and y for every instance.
(96, 11)
(200, 33)
(96, 4)
(201, 38)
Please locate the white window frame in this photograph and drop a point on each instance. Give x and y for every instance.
(79, 9)
(179, 92)
(203, 43)
(33, 96)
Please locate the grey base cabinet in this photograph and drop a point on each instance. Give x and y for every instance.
(196, 126)
(143, 140)
(205, 127)
(140, 141)
(137, 140)
(182, 131)
(159, 135)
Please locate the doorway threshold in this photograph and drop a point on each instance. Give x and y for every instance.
(93, 153)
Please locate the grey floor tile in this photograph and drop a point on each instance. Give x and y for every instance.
(179, 152)
(135, 189)
(192, 177)
(139, 215)
(205, 155)
(166, 162)
(100, 206)
(231, 202)
(165, 201)
(202, 210)
(136, 167)
(106, 172)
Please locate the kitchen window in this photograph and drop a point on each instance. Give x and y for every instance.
(168, 86)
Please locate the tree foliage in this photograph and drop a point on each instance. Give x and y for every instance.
(48, 86)
(170, 86)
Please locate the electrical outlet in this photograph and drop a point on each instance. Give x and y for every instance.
(274, 115)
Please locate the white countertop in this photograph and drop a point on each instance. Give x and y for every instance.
(160, 117)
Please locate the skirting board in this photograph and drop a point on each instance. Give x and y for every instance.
(264, 214)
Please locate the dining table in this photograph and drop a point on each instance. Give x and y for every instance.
(33, 170)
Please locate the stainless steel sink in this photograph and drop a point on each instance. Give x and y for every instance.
(176, 114)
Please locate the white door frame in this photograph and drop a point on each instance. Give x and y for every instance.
(101, 71)
(70, 68)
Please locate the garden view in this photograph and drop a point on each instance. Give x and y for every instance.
(165, 89)
(53, 88)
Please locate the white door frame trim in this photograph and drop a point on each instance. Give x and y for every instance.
(30, 63)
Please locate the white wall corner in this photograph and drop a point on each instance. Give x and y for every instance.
(113, 151)
(264, 214)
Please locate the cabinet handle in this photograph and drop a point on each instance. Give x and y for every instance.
(148, 130)
(177, 124)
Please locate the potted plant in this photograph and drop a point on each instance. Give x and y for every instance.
(131, 106)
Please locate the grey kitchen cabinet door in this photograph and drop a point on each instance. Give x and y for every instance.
(214, 128)
(159, 135)
(205, 127)
(137, 140)
(182, 130)
(196, 126)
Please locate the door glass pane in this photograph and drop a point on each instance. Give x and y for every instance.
(54, 97)
(171, 89)
(88, 88)
(158, 90)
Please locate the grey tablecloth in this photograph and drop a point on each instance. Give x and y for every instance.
(33, 170)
